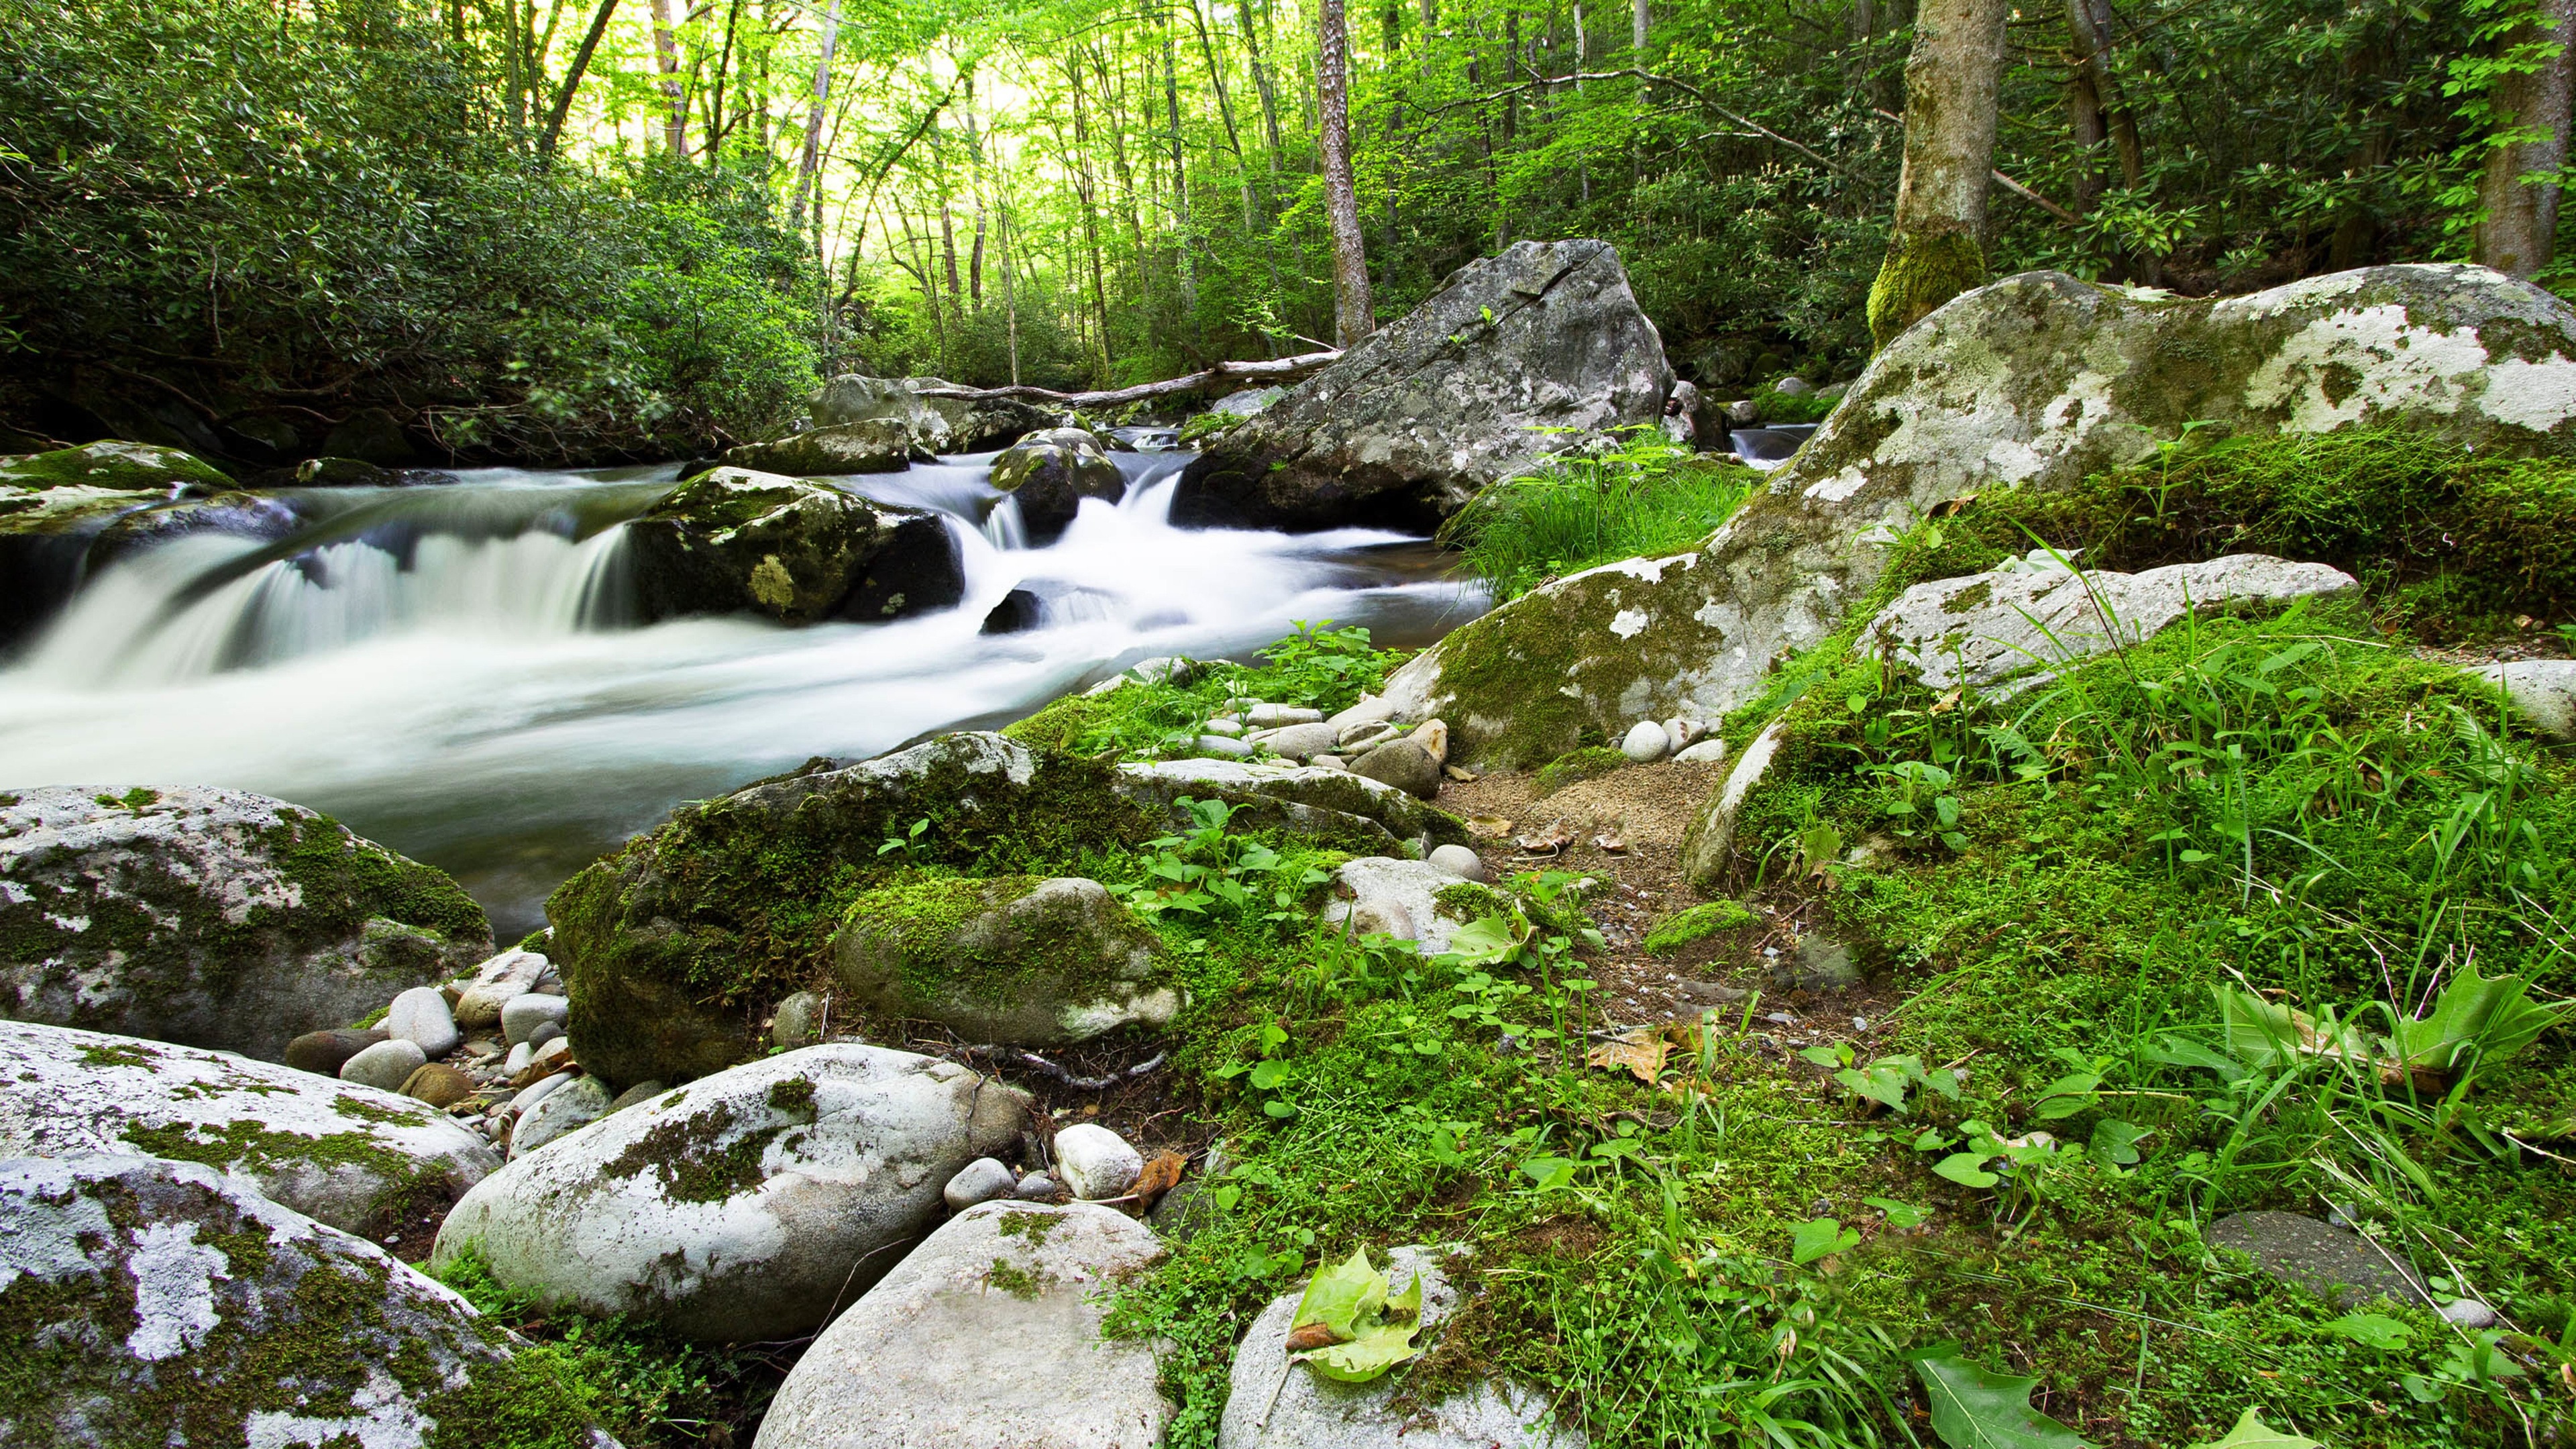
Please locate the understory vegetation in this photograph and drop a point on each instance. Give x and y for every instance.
(1640, 496)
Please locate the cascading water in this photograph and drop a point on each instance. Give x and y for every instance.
(451, 669)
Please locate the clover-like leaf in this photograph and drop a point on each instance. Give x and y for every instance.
(1966, 1169)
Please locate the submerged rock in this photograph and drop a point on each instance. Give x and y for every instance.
(1016, 959)
(987, 1337)
(213, 917)
(1051, 472)
(1519, 355)
(2036, 381)
(352, 1156)
(2024, 624)
(745, 1206)
(164, 1304)
(1275, 1404)
(735, 541)
(879, 445)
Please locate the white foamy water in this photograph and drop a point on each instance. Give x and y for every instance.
(450, 671)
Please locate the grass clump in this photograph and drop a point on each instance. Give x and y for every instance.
(1645, 497)
(1695, 923)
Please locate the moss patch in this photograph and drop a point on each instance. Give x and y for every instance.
(1682, 927)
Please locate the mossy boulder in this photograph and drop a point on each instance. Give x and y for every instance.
(2036, 382)
(672, 948)
(736, 541)
(149, 1302)
(1519, 355)
(877, 445)
(115, 467)
(937, 424)
(234, 514)
(1051, 472)
(1016, 959)
(216, 918)
(351, 1156)
(745, 1206)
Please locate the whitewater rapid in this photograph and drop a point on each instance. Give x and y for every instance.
(453, 670)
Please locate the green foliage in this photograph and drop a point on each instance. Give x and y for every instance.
(1694, 923)
(1644, 497)
(1976, 1408)
(1318, 667)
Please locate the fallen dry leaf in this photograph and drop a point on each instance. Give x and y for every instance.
(1640, 1050)
(1610, 843)
(1554, 838)
(1488, 827)
(1162, 1173)
(1311, 1337)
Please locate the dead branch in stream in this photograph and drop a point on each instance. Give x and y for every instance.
(1277, 369)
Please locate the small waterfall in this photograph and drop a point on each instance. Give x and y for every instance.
(1003, 527)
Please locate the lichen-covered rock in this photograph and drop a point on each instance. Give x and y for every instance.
(147, 1302)
(2036, 381)
(1051, 472)
(1274, 1404)
(936, 424)
(1709, 840)
(352, 1156)
(212, 917)
(116, 466)
(747, 1205)
(233, 515)
(1014, 959)
(2022, 624)
(987, 1337)
(876, 445)
(735, 541)
(578, 1103)
(1519, 355)
(1334, 806)
(673, 948)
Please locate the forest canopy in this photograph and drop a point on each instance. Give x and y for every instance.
(586, 229)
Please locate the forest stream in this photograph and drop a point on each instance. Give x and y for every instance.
(451, 669)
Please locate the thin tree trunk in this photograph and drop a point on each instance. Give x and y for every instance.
(2084, 105)
(1937, 248)
(810, 163)
(716, 93)
(581, 65)
(2518, 225)
(675, 99)
(1637, 23)
(1088, 188)
(1180, 179)
(1352, 317)
(1261, 82)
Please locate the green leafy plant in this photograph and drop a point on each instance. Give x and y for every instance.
(2252, 1433)
(1349, 1328)
(1976, 1408)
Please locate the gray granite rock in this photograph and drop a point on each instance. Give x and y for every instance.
(982, 1180)
(384, 1066)
(421, 1016)
(2328, 1261)
(2543, 691)
(1095, 1163)
(578, 1103)
(521, 1015)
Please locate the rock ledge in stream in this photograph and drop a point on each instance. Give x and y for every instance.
(876, 446)
(1051, 472)
(213, 917)
(935, 424)
(736, 541)
(1409, 425)
(674, 947)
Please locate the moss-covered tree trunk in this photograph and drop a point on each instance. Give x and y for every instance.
(1937, 250)
(2518, 224)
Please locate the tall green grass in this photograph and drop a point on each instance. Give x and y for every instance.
(1643, 497)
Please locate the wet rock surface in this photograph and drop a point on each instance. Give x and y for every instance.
(738, 541)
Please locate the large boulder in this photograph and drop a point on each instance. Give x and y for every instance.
(354, 1157)
(673, 948)
(148, 1302)
(736, 541)
(1520, 355)
(1275, 1404)
(2036, 381)
(233, 514)
(936, 424)
(213, 917)
(879, 445)
(2025, 622)
(987, 1337)
(745, 1206)
(1015, 959)
(1051, 472)
(54, 505)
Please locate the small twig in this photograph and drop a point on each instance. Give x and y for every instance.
(1039, 1064)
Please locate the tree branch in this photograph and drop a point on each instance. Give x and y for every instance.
(2015, 187)
(1279, 368)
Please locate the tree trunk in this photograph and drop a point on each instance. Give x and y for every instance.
(809, 165)
(1352, 316)
(2090, 22)
(2518, 225)
(675, 99)
(1937, 249)
(1261, 83)
(590, 44)
(2084, 107)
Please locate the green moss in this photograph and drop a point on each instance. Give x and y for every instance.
(1033, 1226)
(1575, 766)
(1695, 923)
(251, 1147)
(135, 466)
(1467, 901)
(1015, 1280)
(692, 1156)
(1923, 269)
(118, 1056)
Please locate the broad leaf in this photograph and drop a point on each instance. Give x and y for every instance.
(1900, 1214)
(2488, 1017)
(1975, 1409)
(2251, 1433)
(1366, 1357)
(2371, 1330)
(1966, 1169)
(1340, 1296)
(1820, 1238)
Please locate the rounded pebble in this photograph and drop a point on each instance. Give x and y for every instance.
(1459, 861)
(522, 1015)
(981, 1180)
(2468, 1313)
(1223, 747)
(438, 1084)
(1706, 752)
(421, 1016)
(1036, 1187)
(387, 1064)
(1646, 742)
(1097, 1163)
(546, 1031)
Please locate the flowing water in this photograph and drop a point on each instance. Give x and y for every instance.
(454, 670)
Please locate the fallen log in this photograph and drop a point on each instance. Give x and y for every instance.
(1276, 369)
